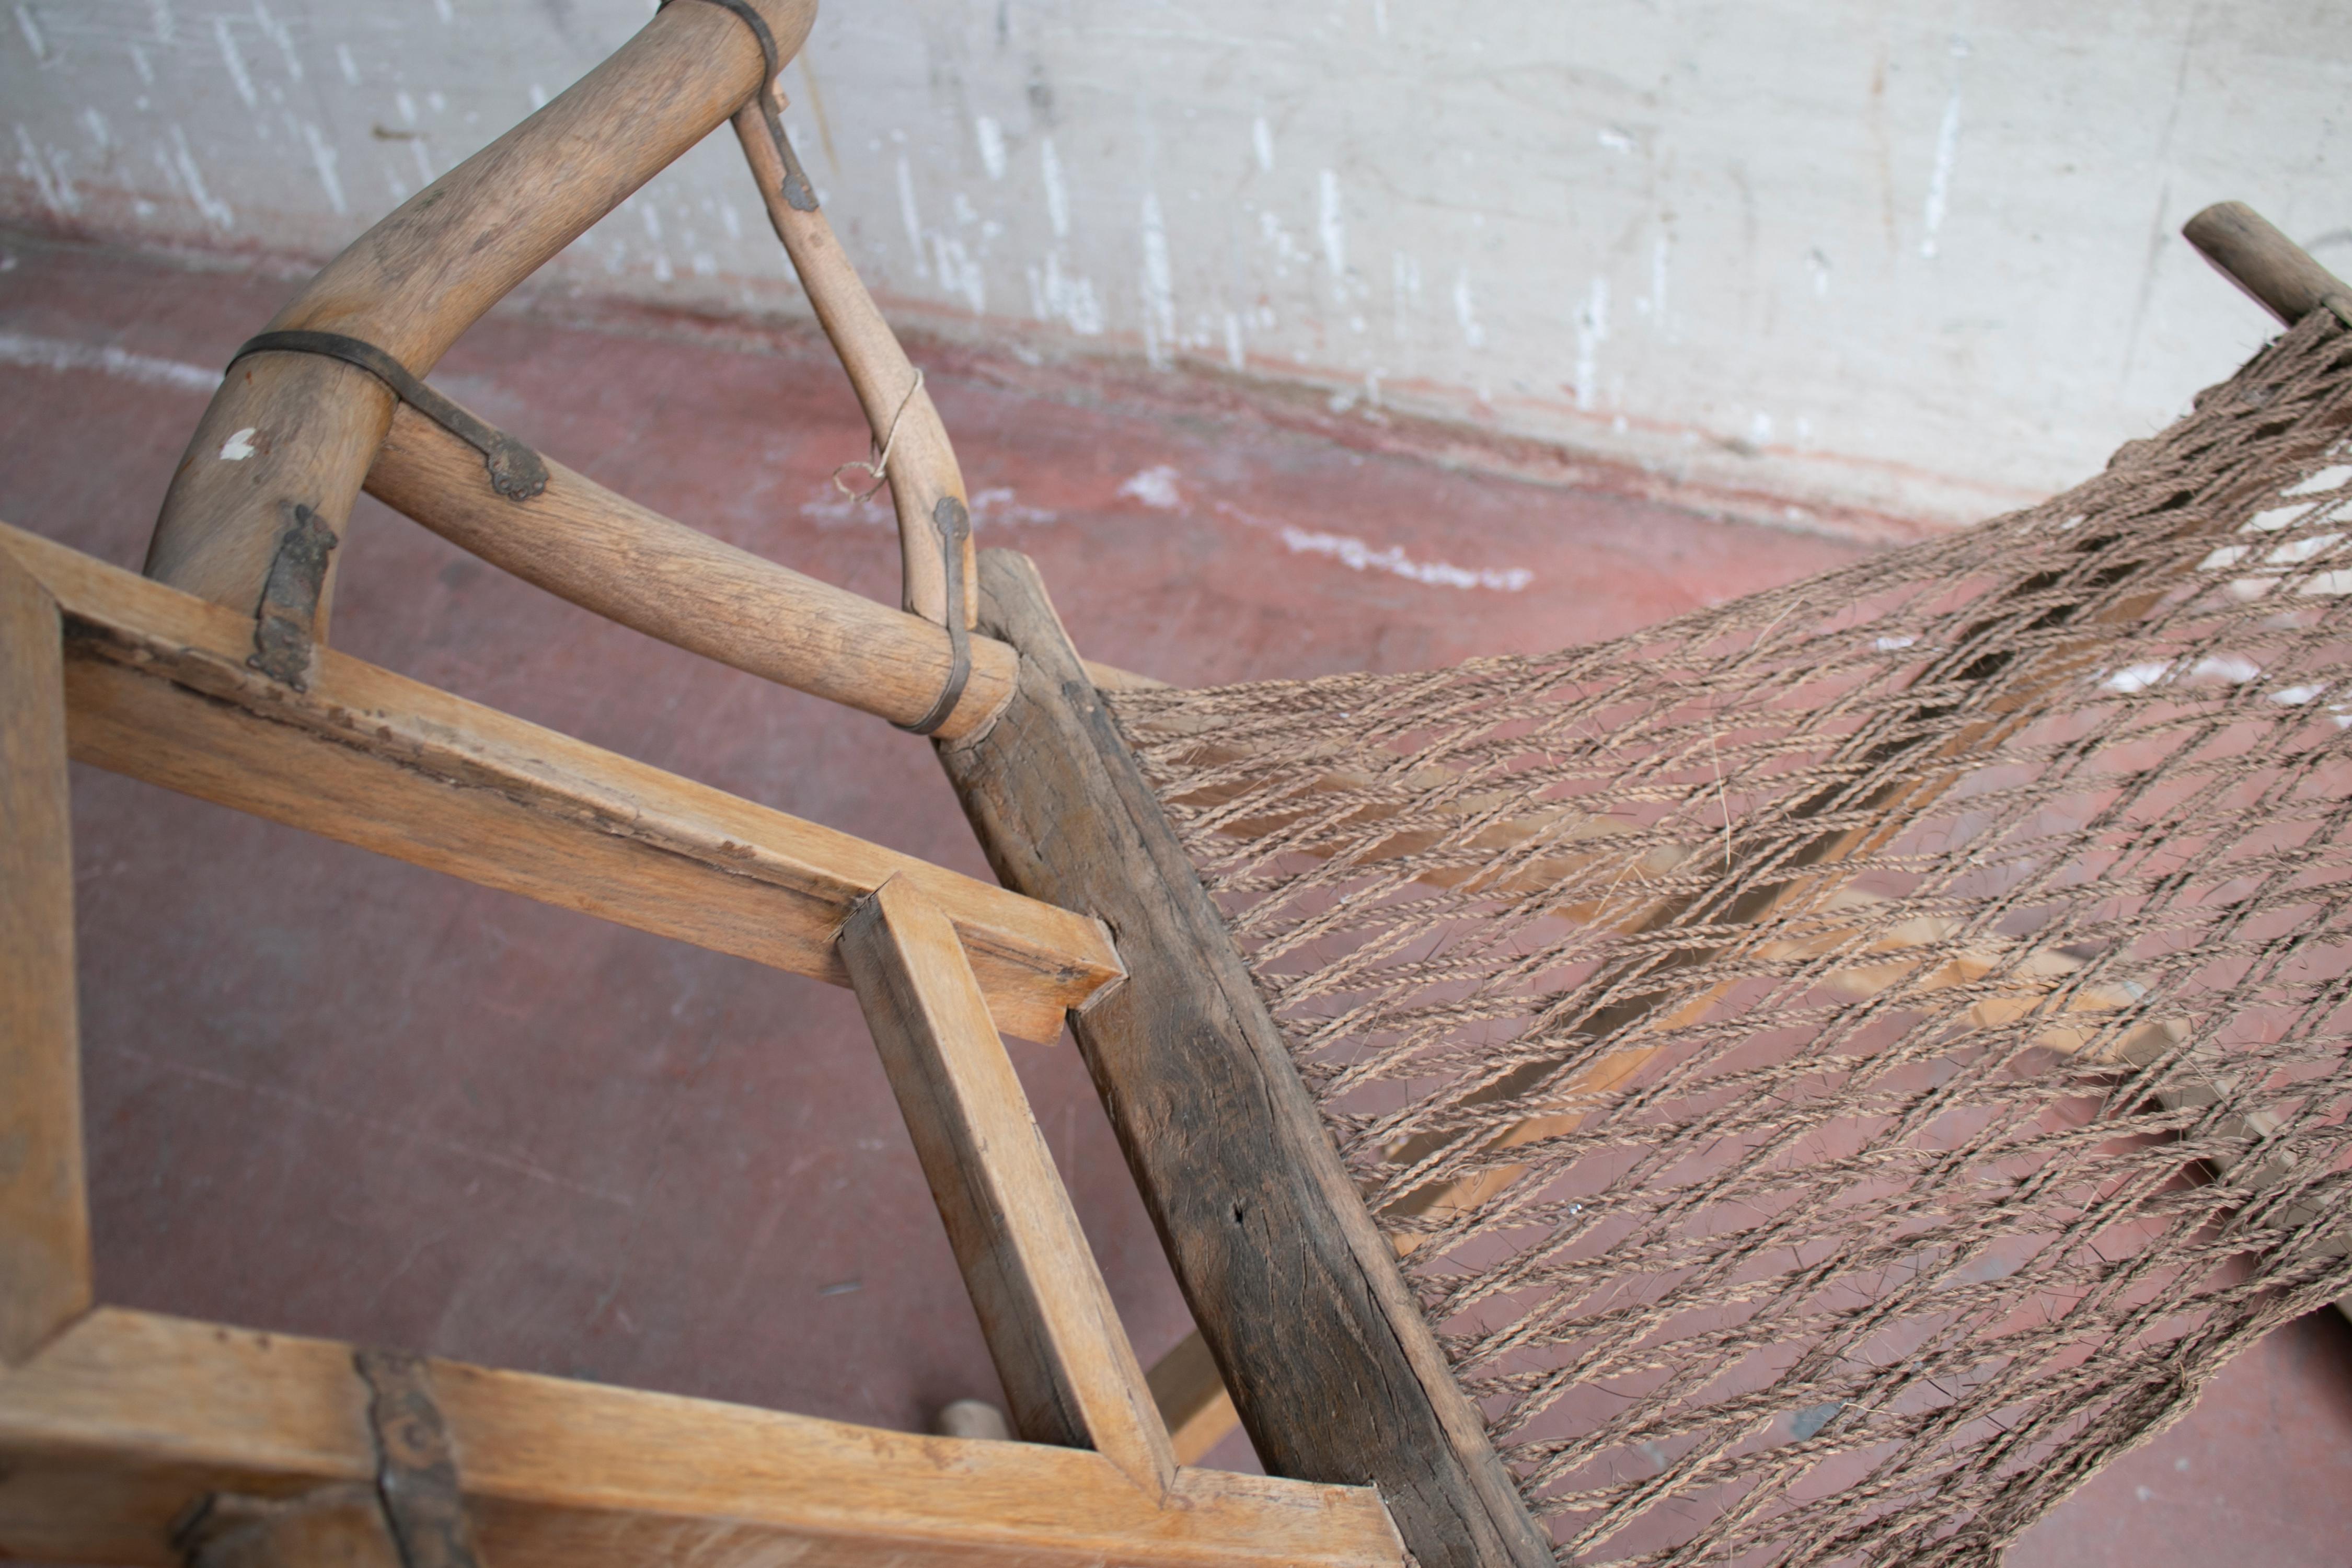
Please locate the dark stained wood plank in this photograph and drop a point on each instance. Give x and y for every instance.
(1335, 1374)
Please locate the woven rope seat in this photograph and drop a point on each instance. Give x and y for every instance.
(1838, 1068)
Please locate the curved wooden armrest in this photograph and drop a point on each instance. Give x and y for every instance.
(298, 429)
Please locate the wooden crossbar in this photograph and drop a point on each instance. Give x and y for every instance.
(111, 1434)
(159, 687)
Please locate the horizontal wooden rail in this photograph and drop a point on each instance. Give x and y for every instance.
(158, 687)
(607, 554)
(288, 429)
(2272, 269)
(113, 1432)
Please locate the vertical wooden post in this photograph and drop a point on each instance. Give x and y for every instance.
(1336, 1374)
(1065, 1363)
(44, 1217)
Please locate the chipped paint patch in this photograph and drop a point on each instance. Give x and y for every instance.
(239, 447)
(1359, 556)
(1155, 488)
(56, 353)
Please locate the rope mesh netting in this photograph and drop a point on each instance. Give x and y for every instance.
(1840, 1066)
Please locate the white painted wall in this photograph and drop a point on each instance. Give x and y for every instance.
(1916, 257)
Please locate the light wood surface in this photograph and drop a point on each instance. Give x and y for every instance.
(158, 689)
(1059, 1349)
(111, 1434)
(1336, 1374)
(309, 426)
(923, 468)
(44, 1215)
(2270, 268)
(333, 1527)
(604, 553)
(1191, 1394)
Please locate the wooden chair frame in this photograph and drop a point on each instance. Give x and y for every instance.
(116, 1427)
(121, 1432)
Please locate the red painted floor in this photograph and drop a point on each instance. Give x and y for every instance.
(330, 1094)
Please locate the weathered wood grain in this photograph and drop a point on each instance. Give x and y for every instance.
(111, 1432)
(44, 1215)
(1336, 1374)
(1060, 1350)
(604, 553)
(2272, 269)
(157, 688)
(923, 467)
(309, 426)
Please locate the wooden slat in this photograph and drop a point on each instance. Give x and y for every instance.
(1336, 1374)
(44, 1215)
(414, 281)
(111, 1434)
(1068, 1372)
(158, 687)
(607, 554)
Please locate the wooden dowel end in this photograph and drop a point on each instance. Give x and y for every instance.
(2270, 268)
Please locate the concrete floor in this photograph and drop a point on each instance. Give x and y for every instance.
(334, 1095)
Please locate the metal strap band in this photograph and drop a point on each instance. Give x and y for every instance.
(416, 1473)
(954, 525)
(516, 471)
(799, 194)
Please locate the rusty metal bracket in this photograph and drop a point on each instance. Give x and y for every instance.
(416, 1474)
(289, 611)
(954, 525)
(799, 194)
(516, 471)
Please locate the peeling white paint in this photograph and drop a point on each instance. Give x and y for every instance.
(1359, 556)
(276, 32)
(1057, 197)
(1465, 312)
(322, 157)
(990, 137)
(959, 272)
(1330, 223)
(35, 38)
(1159, 285)
(1592, 332)
(239, 447)
(912, 219)
(1155, 488)
(62, 354)
(235, 60)
(215, 212)
(1939, 180)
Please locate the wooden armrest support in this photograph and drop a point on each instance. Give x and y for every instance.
(604, 553)
(289, 429)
